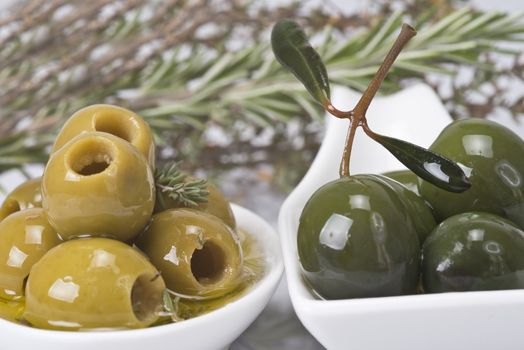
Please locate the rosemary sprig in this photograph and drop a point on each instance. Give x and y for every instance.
(171, 306)
(181, 97)
(182, 189)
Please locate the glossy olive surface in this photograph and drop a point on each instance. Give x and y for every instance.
(197, 254)
(25, 196)
(92, 283)
(356, 239)
(99, 185)
(25, 237)
(491, 156)
(419, 210)
(114, 120)
(473, 251)
(406, 178)
(216, 205)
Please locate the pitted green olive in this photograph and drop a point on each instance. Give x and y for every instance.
(98, 185)
(114, 120)
(93, 283)
(25, 237)
(197, 254)
(27, 195)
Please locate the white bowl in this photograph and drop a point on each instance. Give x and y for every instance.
(215, 330)
(473, 320)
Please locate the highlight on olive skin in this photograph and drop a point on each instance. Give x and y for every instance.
(68, 259)
(492, 155)
(93, 283)
(114, 120)
(25, 237)
(471, 252)
(363, 244)
(360, 236)
(100, 185)
(26, 195)
(197, 254)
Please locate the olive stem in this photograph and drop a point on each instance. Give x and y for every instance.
(337, 112)
(358, 114)
(346, 156)
(405, 35)
(373, 135)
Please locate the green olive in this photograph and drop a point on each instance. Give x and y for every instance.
(491, 156)
(27, 195)
(406, 178)
(420, 211)
(357, 239)
(216, 205)
(114, 120)
(91, 283)
(197, 254)
(473, 251)
(11, 310)
(25, 237)
(98, 185)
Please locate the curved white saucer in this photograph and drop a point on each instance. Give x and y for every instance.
(474, 320)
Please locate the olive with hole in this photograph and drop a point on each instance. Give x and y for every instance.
(491, 156)
(406, 178)
(92, 283)
(25, 237)
(197, 254)
(114, 120)
(25, 196)
(98, 185)
(216, 205)
(473, 251)
(357, 239)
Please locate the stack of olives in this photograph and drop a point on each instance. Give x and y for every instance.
(96, 243)
(369, 235)
(377, 235)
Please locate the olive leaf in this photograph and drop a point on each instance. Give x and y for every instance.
(428, 165)
(293, 51)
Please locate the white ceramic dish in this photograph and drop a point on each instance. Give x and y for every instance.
(215, 330)
(475, 320)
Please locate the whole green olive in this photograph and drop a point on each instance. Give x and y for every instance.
(357, 239)
(25, 237)
(25, 196)
(197, 254)
(216, 205)
(98, 185)
(114, 120)
(420, 211)
(406, 178)
(91, 283)
(473, 251)
(491, 157)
